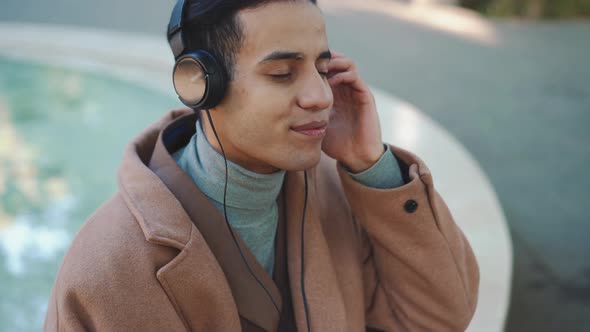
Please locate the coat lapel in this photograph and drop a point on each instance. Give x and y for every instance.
(194, 273)
(324, 299)
(259, 305)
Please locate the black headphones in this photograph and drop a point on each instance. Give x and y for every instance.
(199, 79)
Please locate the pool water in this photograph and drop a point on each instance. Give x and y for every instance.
(62, 134)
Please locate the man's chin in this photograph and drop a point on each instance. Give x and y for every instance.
(303, 164)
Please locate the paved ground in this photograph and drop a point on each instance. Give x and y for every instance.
(522, 109)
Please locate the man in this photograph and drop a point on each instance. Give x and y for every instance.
(319, 227)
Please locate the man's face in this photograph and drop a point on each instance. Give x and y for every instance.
(279, 84)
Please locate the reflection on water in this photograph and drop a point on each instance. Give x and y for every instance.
(23, 240)
(62, 133)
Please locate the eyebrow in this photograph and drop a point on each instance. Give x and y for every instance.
(283, 55)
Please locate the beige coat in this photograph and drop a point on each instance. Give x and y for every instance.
(158, 256)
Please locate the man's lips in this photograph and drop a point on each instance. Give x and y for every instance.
(314, 128)
(311, 125)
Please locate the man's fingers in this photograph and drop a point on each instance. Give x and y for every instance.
(351, 79)
(345, 77)
(342, 70)
(336, 55)
(340, 64)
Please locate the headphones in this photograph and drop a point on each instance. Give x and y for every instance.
(199, 79)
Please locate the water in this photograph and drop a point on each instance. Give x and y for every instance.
(62, 134)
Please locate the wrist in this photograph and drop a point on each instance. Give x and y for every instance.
(364, 161)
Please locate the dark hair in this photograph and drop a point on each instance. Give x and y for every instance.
(213, 25)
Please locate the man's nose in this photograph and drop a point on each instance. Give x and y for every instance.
(315, 94)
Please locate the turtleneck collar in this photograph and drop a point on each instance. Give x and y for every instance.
(246, 189)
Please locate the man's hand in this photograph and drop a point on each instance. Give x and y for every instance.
(354, 135)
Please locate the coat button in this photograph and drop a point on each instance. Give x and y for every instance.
(411, 206)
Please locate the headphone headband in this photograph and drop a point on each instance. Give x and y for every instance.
(175, 36)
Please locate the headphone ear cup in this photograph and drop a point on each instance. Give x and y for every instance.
(199, 80)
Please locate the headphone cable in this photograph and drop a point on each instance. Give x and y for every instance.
(302, 256)
(305, 306)
(226, 220)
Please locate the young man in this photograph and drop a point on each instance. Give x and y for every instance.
(320, 226)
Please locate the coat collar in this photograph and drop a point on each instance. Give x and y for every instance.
(170, 226)
(171, 219)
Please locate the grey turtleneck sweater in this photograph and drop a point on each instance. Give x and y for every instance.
(251, 199)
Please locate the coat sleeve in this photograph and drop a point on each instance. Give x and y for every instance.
(71, 317)
(419, 271)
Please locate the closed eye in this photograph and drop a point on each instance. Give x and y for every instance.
(281, 75)
(281, 78)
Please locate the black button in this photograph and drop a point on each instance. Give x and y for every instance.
(411, 206)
